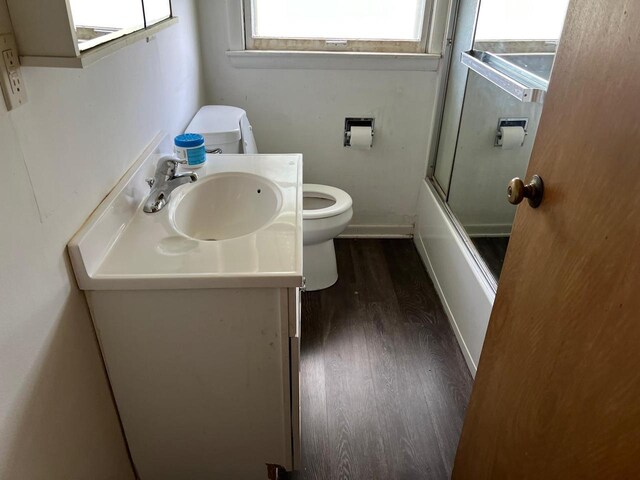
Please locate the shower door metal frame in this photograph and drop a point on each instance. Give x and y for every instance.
(447, 63)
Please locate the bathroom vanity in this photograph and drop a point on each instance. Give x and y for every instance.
(197, 311)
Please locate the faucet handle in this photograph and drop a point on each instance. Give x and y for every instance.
(168, 165)
(150, 181)
(171, 160)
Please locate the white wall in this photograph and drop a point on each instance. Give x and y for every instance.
(303, 111)
(61, 153)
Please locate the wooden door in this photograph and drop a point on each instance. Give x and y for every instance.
(557, 393)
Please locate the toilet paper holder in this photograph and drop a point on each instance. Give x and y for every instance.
(509, 122)
(356, 122)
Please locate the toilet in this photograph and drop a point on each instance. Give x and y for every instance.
(326, 210)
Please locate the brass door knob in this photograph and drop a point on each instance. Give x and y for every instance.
(533, 191)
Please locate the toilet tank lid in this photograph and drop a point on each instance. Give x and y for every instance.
(218, 124)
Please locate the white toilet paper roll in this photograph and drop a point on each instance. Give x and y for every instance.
(512, 137)
(361, 137)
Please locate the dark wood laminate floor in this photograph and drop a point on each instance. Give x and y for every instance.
(492, 250)
(384, 385)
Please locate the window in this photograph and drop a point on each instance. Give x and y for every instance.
(99, 21)
(356, 25)
(522, 20)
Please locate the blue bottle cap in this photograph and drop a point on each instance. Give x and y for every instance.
(189, 140)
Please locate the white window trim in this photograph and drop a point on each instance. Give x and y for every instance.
(242, 57)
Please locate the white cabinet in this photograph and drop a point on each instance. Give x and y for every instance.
(205, 380)
(75, 33)
(200, 337)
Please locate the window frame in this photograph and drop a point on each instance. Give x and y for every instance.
(338, 45)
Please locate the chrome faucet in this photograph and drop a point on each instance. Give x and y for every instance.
(164, 182)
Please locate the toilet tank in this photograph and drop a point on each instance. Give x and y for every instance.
(224, 127)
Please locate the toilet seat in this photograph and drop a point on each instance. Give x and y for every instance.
(341, 201)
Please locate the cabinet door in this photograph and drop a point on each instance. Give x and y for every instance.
(74, 33)
(201, 378)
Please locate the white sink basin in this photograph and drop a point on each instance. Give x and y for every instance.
(251, 205)
(225, 206)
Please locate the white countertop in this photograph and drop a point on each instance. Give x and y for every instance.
(121, 247)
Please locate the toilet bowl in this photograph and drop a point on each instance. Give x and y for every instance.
(326, 210)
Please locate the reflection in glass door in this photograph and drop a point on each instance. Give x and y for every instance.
(493, 105)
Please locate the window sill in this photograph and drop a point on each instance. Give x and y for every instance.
(313, 60)
(98, 52)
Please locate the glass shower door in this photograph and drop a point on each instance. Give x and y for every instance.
(495, 97)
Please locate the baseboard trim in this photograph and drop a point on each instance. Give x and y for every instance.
(378, 231)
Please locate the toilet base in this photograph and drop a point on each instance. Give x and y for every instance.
(320, 269)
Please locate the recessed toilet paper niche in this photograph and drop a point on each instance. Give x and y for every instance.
(358, 132)
(511, 133)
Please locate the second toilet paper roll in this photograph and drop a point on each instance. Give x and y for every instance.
(361, 137)
(512, 137)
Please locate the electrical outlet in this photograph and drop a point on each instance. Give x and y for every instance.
(10, 59)
(16, 83)
(13, 89)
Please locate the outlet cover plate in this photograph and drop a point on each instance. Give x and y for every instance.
(11, 81)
